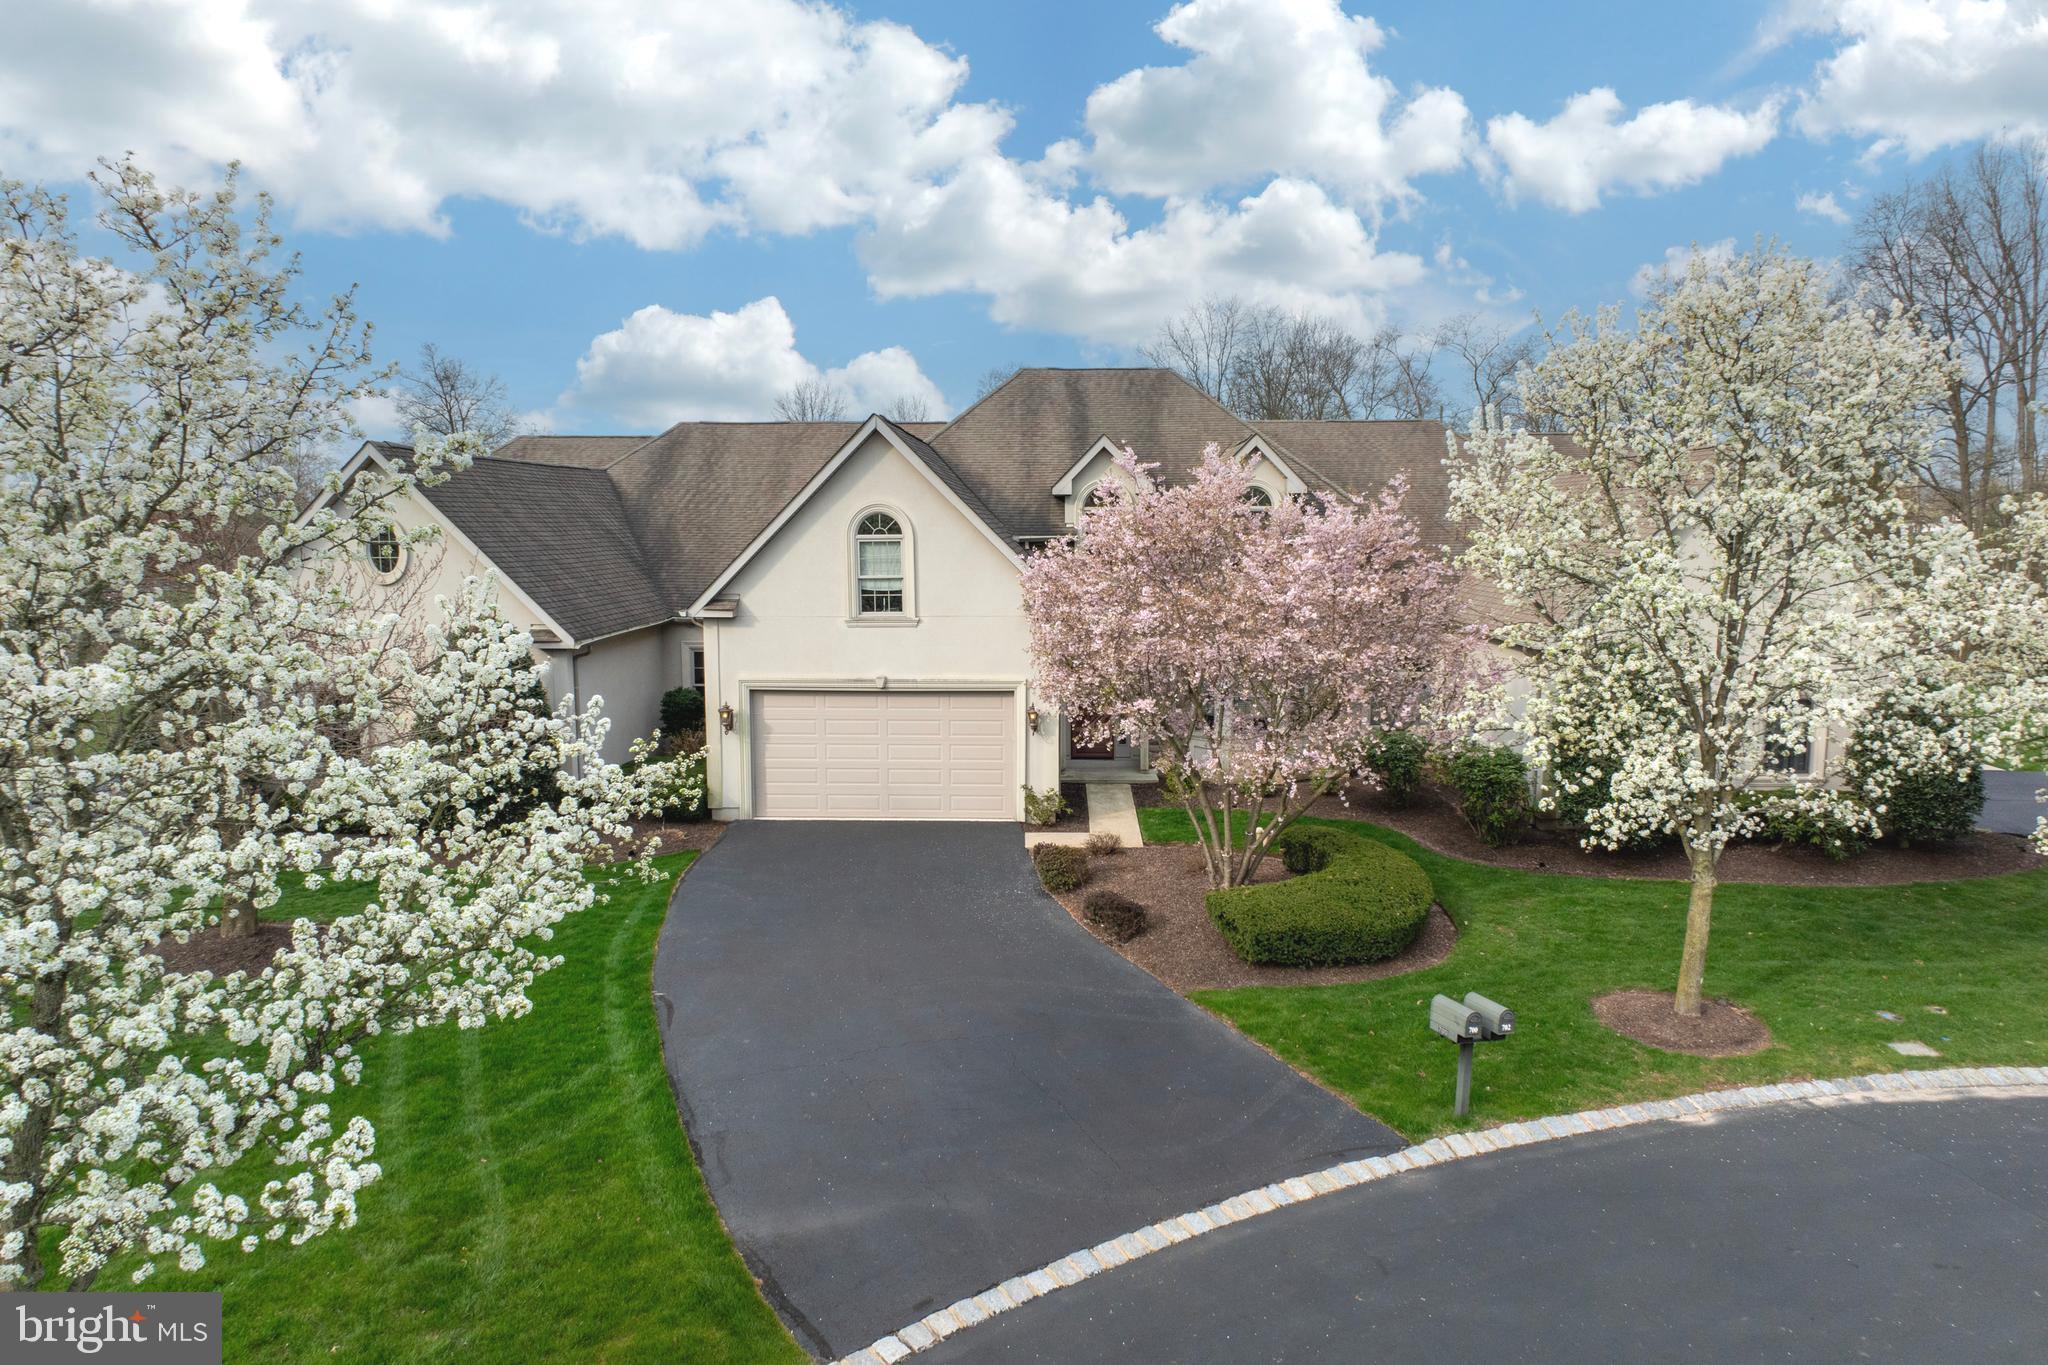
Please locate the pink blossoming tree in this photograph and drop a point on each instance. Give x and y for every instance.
(1257, 651)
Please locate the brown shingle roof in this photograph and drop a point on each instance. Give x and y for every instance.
(613, 532)
(590, 452)
(700, 492)
(560, 532)
(1014, 444)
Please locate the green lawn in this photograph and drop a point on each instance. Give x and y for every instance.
(538, 1202)
(1815, 963)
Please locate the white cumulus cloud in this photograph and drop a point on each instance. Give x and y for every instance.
(1918, 75)
(659, 367)
(1588, 148)
(1272, 87)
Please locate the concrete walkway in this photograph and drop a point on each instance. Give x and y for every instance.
(1832, 1230)
(908, 1072)
(1112, 809)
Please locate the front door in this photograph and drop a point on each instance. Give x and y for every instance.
(1076, 749)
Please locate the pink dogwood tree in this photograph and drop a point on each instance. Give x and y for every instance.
(1258, 651)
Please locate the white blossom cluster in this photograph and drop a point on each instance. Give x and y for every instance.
(189, 708)
(1721, 561)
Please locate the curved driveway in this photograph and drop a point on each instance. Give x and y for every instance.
(908, 1073)
(1903, 1231)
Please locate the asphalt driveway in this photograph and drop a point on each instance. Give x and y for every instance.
(1845, 1231)
(909, 1074)
(2010, 806)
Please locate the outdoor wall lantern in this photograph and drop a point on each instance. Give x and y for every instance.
(1031, 718)
(1475, 1019)
(725, 716)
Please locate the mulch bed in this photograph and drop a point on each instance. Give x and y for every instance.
(208, 951)
(1075, 821)
(1183, 948)
(1646, 1017)
(670, 836)
(1433, 822)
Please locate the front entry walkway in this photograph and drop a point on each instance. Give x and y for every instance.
(907, 1072)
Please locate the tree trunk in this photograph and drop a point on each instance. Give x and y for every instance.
(1699, 913)
(238, 917)
(24, 1161)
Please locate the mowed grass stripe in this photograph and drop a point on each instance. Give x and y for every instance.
(539, 1200)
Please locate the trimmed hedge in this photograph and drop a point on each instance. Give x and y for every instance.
(1364, 903)
(1062, 867)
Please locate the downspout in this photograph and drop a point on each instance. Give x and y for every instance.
(576, 704)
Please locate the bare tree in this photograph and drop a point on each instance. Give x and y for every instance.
(811, 400)
(1267, 363)
(1486, 355)
(909, 407)
(993, 378)
(1202, 344)
(1966, 253)
(444, 396)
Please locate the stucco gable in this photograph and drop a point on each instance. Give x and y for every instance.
(957, 496)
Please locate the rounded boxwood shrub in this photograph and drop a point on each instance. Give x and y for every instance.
(1122, 918)
(1309, 848)
(1493, 791)
(1062, 867)
(1366, 904)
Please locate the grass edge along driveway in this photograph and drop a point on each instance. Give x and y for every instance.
(539, 1200)
(1816, 963)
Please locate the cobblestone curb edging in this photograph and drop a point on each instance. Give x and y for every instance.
(1012, 1293)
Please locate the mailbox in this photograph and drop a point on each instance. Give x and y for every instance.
(1497, 1019)
(1459, 1023)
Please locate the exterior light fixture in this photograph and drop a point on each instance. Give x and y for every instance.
(725, 716)
(1031, 718)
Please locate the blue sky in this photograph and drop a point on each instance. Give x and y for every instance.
(638, 211)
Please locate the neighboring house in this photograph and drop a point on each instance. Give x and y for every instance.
(846, 592)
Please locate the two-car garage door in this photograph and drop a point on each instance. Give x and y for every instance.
(883, 755)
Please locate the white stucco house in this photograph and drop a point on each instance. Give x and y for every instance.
(845, 593)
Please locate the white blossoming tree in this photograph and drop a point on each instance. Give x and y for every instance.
(185, 715)
(1722, 563)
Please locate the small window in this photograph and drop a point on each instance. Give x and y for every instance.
(697, 669)
(878, 564)
(1792, 753)
(383, 550)
(1258, 497)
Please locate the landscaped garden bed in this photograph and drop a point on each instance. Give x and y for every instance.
(1433, 821)
(1836, 973)
(1181, 945)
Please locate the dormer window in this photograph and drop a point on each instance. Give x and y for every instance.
(878, 565)
(1258, 497)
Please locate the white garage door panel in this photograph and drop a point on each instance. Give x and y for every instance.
(883, 755)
